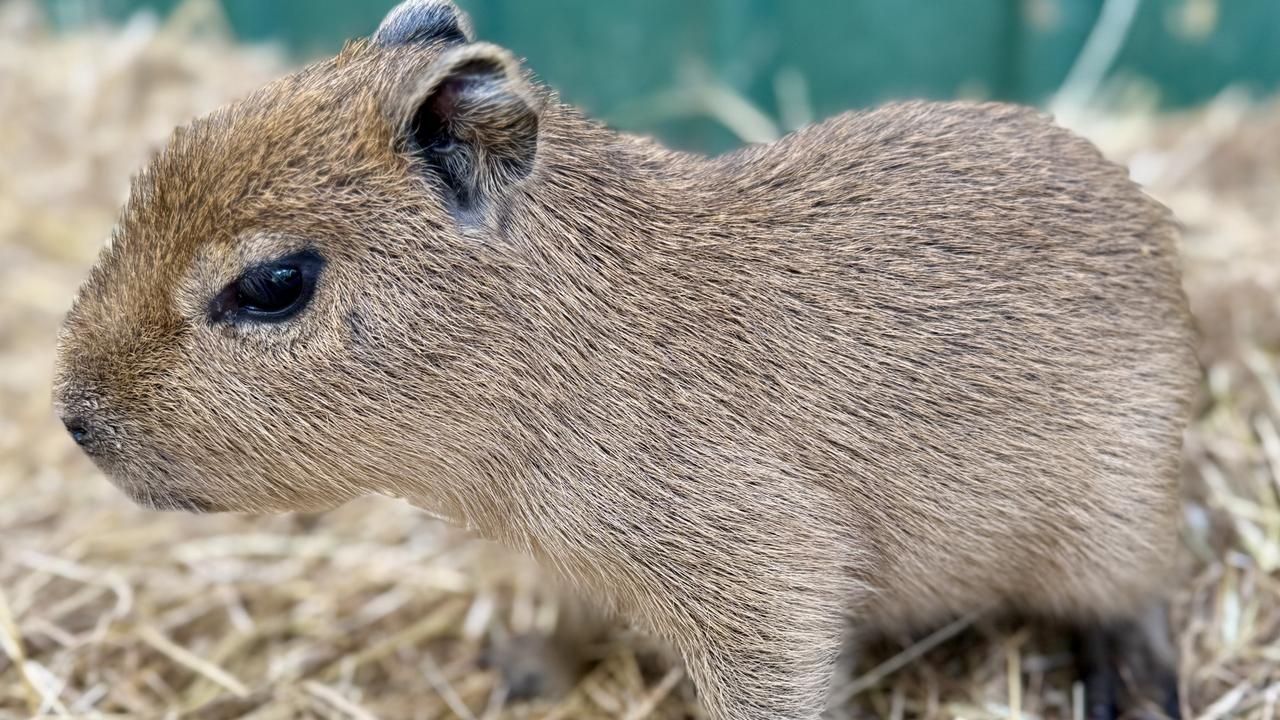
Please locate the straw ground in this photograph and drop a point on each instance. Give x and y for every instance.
(374, 611)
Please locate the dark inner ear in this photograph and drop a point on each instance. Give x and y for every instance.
(429, 129)
(477, 132)
(433, 142)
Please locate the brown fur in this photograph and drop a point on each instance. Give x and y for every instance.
(897, 365)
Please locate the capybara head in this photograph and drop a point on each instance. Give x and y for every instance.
(297, 302)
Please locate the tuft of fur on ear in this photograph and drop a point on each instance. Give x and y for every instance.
(472, 121)
(424, 22)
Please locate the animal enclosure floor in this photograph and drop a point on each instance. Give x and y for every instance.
(375, 611)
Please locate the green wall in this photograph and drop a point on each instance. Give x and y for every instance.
(616, 57)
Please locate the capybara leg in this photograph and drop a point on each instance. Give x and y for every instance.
(546, 661)
(1129, 668)
(535, 664)
(1093, 655)
(772, 681)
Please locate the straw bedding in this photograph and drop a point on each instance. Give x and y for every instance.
(374, 611)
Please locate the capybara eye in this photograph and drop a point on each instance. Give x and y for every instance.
(270, 292)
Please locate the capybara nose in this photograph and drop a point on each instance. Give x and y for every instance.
(79, 429)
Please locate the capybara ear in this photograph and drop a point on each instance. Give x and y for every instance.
(424, 22)
(472, 120)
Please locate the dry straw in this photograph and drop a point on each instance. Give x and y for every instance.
(374, 611)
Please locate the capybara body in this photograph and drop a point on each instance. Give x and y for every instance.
(896, 366)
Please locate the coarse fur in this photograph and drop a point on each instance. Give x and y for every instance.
(896, 366)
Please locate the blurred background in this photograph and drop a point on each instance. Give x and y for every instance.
(665, 66)
(374, 611)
